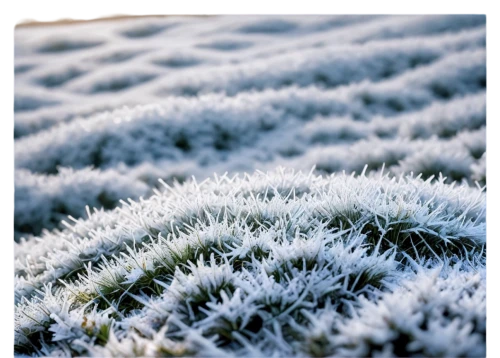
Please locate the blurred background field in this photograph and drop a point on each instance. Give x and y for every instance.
(104, 108)
(103, 14)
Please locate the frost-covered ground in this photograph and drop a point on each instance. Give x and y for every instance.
(281, 262)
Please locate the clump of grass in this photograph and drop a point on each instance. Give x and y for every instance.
(247, 265)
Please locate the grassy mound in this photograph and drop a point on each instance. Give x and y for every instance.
(280, 263)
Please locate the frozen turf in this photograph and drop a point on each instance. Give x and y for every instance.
(304, 261)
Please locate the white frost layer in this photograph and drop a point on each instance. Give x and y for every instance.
(255, 250)
(268, 264)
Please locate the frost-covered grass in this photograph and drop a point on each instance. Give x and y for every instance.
(42, 201)
(163, 130)
(245, 264)
(389, 261)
